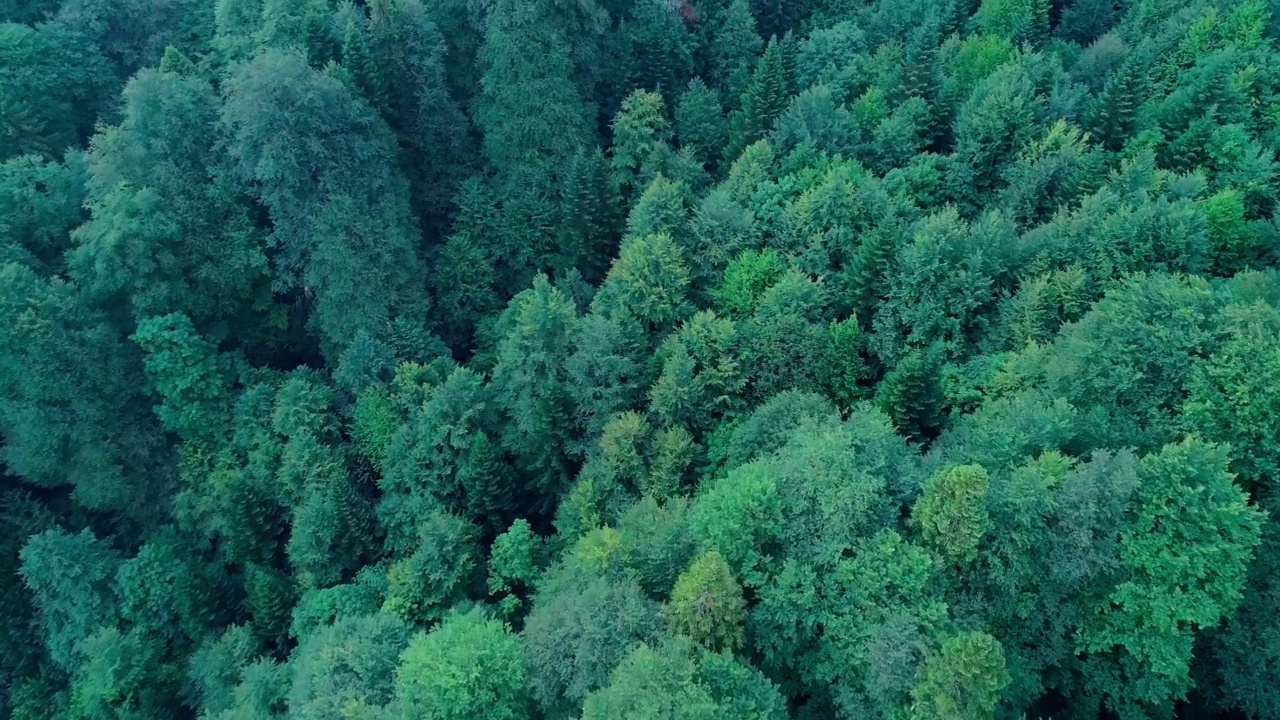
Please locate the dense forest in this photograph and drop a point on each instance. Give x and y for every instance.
(639, 359)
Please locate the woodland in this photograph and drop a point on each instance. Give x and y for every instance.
(639, 360)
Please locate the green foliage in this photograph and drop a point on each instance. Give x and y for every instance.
(910, 395)
(640, 130)
(733, 45)
(1231, 394)
(700, 377)
(270, 597)
(515, 563)
(783, 334)
(656, 543)
(443, 570)
(468, 667)
(677, 682)
(763, 100)
(1016, 20)
(70, 579)
(262, 692)
(188, 375)
(444, 455)
(605, 374)
(347, 669)
(532, 379)
(399, 62)
(740, 517)
(40, 203)
(951, 512)
(1000, 116)
(658, 47)
(581, 626)
(122, 677)
(52, 85)
(639, 358)
(962, 679)
(214, 669)
(71, 403)
(746, 279)
(662, 208)
(528, 109)
(320, 608)
(1184, 556)
(700, 122)
(707, 604)
(648, 283)
(341, 216)
(857, 628)
(166, 233)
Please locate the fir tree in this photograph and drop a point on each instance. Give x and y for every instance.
(765, 98)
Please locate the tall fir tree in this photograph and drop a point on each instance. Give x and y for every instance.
(765, 98)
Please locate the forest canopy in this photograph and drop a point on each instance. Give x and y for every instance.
(643, 359)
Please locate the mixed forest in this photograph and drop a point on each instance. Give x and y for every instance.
(639, 359)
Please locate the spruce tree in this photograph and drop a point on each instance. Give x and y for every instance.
(529, 111)
(765, 98)
(1113, 113)
(911, 395)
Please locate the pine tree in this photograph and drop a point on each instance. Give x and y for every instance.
(355, 58)
(911, 395)
(529, 110)
(640, 132)
(1113, 113)
(659, 48)
(71, 578)
(1038, 30)
(734, 46)
(271, 597)
(865, 280)
(707, 605)
(532, 381)
(589, 216)
(405, 64)
(700, 123)
(778, 17)
(765, 98)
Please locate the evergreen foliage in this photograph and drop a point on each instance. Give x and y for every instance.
(653, 359)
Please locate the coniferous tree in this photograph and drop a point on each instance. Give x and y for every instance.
(531, 375)
(700, 122)
(659, 47)
(707, 604)
(772, 379)
(733, 45)
(911, 396)
(529, 111)
(1115, 110)
(764, 99)
(405, 64)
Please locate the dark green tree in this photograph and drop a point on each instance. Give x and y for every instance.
(348, 668)
(529, 110)
(71, 400)
(70, 577)
(533, 382)
(764, 98)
